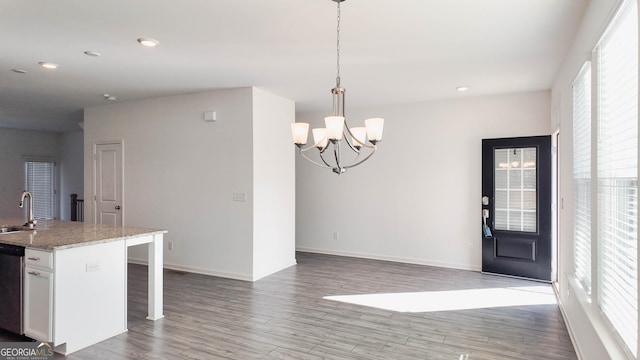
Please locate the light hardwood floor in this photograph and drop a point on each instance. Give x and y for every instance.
(284, 316)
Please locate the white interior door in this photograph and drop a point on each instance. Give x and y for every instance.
(108, 184)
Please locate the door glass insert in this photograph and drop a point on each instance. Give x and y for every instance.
(515, 189)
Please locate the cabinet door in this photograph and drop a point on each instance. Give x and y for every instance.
(38, 304)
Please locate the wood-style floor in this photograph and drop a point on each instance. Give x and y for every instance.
(284, 316)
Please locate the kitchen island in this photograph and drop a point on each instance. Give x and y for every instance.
(75, 280)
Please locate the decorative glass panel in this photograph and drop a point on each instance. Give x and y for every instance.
(515, 189)
(515, 199)
(529, 199)
(501, 199)
(515, 220)
(515, 179)
(501, 180)
(501, 219)
(529, 221)
(529, 179)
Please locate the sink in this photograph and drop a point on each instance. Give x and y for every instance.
(11, 229)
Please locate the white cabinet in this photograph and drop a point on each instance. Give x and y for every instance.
(38, 295)
(38, 305)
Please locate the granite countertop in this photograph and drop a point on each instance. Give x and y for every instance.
(58, 235)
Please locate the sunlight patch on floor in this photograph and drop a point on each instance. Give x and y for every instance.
(429, 301)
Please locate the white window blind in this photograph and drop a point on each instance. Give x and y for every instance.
(582, 176)
(40, 183)
(617, 172)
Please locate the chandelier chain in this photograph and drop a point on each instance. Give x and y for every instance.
(338, 48)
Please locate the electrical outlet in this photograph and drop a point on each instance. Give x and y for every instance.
(170, 244)
(336, 235)
(470, 245)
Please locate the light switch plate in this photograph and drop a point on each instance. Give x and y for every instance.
(93, 266)
(210, 116)
(242, 197)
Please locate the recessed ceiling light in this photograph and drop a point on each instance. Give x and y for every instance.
(148, 42)
(462, 88)
(47, 65)
(19, 71)
(92, 53)
(109, 97)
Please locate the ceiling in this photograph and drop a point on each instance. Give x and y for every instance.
(392, 52)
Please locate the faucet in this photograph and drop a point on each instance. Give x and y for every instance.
(31, 222)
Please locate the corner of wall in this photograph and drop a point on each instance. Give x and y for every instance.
(273, 184)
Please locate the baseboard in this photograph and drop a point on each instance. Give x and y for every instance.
(235, 276)
(391, 258)
(195, 270)
(572, 335)
(275, 270)
(65, 349)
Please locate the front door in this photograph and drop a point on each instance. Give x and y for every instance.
(516, 207)
(108, 184)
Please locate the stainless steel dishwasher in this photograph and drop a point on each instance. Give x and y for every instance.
(11, 281)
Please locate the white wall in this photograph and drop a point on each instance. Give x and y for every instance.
(14, 146)
(181, 173)
(591, 335)
(418, 198)
(273, 183)
(71, 170)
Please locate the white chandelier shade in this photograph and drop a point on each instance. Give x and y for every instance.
(300, 132)
(358, 137)
(374, 127)
(320, 139)
(335, 127)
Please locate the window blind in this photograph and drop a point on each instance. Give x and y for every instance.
(617, 175)
(40, 183)
(582, 176)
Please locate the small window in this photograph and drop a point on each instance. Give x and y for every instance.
(40, 182)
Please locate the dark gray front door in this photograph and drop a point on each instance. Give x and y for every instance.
(516, 206)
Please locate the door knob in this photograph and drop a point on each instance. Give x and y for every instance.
(117, 207)
(485, 229)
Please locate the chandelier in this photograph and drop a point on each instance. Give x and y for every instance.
(361, 141)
